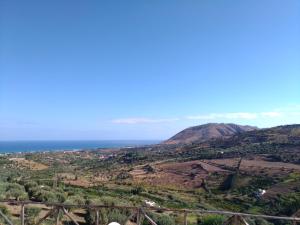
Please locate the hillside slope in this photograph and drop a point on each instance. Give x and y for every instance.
(208, 132)
(287, 134)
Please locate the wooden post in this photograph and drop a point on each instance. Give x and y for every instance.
(57, 216)
(130, 217)
(243, 221)
(50, 213)
(97, 216)
(185, 218)
(149, 219)
(68, 215)
(22, 214)
(235, 220)
(138, 217)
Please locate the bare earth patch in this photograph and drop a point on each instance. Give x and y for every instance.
(182, 175)
(257, 166)
(29, 164)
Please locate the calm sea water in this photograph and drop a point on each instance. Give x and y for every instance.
(30, 146)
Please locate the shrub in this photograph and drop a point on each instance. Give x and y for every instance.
(106, 216)
(117, 216)
(75, 200)
(29, 185)
(15, 191)
(123, 176)
(4, 210)
(61, 197)
(45, 196)
(136, 190)
(259, 221)
(211, 220)
(90, 217)
(31, 213)
(160, 219)
(149, 169)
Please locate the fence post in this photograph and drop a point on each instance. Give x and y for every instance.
(68, 215)
(185, 218)
(22, 214)
(57, 216)
(138, 217)
(149, 219)
(50, 213)
(97, 216)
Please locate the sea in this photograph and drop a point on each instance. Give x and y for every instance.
(41, 146)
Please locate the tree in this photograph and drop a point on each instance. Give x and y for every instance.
(15, 191)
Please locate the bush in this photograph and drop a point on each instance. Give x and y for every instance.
(211, 220)
(258, 221)
(106, 216)
(75, 200)
(32, 191)
(45, 196)
(61, 197)
(123, 176)
(5, 211)
(29, 185)
(31, 213)
(149, 169)
(288, 204)
(119, 216)
(137, 190)
(111, 201)
(15, 191)
(160, 219)
(90, 217)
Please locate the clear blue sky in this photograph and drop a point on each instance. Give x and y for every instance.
(143, 69)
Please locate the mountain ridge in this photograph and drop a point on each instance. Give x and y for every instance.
(207, 132)
(279, 134)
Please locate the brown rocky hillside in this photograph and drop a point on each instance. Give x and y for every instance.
(208, 132)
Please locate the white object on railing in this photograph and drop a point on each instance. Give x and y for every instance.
(114, 223)
(150, 203)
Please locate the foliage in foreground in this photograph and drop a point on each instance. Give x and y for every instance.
(211, 220)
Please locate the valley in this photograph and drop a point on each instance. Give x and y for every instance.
(253, 171)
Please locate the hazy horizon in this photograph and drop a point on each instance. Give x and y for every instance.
(112, 139)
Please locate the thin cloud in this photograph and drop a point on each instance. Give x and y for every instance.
(291, 111)
(271, 114)
(235, 115)
(141, 120)
(212, 116)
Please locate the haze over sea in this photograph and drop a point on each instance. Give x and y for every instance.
(38, 146)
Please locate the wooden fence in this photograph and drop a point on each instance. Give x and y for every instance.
(138, 213)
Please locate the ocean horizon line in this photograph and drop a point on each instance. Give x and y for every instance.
(67, 145)
(81, 140)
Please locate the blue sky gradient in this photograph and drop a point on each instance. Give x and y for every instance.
(145, 69)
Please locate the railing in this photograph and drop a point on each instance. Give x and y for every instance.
(139, 213)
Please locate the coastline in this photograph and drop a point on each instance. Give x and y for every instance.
(21, 147)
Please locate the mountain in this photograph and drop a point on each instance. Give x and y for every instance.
(206, 132)
(285, 134)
